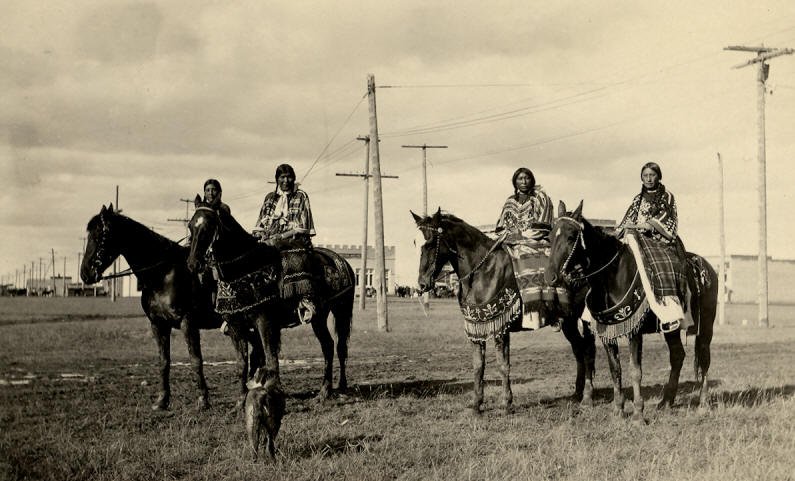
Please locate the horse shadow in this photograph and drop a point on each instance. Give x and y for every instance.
(421, 388)
(688, 395)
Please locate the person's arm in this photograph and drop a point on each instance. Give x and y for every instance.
(630, 217)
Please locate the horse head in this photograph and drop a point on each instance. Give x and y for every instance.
(101, 246)
(566, 236)
(203, 228)
(435, 249)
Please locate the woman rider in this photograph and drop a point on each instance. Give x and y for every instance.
(285, 220)
(212, 195)
(525, 222)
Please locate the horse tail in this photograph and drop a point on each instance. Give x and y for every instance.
(708, 306)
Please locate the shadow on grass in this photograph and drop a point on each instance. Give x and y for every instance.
(413, 388)
(339, 445)
(605, 395)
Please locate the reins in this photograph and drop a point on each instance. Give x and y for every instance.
(581, 241)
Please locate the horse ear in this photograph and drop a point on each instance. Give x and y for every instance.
(110, 209)
(561, 208)
(103, 210)
(197, 201)
(417, 219)
(578, 212)
(438, 214)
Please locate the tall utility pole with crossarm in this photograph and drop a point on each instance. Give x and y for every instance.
(763, 54)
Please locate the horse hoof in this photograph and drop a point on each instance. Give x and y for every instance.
(509, 409)
(202, 404)
(587, 402)
(637, 420)
(664, 405)
(159, 407)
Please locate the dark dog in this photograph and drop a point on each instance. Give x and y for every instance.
(264, 409)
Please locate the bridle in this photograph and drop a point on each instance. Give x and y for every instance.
(436, 237)
(99, 253)
(437, 233)
(580, 241)
(208, 252)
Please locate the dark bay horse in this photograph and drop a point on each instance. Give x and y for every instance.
(229, 242)
(481, 266)
(609, 270)
(172, 297)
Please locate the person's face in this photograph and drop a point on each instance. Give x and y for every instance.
(210, 192)
(649, 178)
(523, 183)
(286, 182)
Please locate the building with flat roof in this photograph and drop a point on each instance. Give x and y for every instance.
(353, 254)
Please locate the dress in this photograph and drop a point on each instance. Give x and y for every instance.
(531, 219)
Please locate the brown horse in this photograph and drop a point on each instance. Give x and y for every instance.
(239, 256)
(485, 272)
(172, 297)
(609, 270)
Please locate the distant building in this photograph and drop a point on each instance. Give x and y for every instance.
(742, 279)
(353, 254)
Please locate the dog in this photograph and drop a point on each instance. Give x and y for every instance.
(264, 409)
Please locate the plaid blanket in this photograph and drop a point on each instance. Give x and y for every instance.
(666, 272)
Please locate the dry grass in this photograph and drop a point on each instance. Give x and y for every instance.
(405, 416)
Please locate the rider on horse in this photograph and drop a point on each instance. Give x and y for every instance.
(285, 221)
(651, 220)
(524, 223)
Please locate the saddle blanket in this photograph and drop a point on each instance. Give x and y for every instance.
(529, 259)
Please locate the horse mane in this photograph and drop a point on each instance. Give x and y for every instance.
(165, 243)
(471, 234)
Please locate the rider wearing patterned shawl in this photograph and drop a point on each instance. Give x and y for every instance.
(652, 221)
(285, 220)
(524, 225)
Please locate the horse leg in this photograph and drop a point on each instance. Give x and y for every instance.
(614, 362)
(583, 348)
(343, 315)
(193, 340)
(241, 346)
(161, 331)
(702, 362)
(269, 331)
(479, 365)
(503, 345)
(636, 358)
(676, 356)
(320, 328)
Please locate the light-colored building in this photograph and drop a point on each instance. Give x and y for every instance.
(742, 279)
(353, 254)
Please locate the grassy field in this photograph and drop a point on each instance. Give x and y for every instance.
(78, 377)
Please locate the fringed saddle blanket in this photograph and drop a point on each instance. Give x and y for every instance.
(493, 318)
(247, 281)
(337, 276)
(529, 259)
(298, 279)
(248, 291)
(625, 318)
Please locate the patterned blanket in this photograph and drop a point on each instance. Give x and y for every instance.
(529, 258)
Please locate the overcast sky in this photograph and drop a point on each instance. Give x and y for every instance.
(156, 97)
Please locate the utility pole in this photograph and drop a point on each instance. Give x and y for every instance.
(64, 276)
(40, 281)
(722, 270)
(185, 220)
(763, 54)
(378, 214)
(426, 297)
(53, 271)
(424, 148)
(113, 281)
(366, 176)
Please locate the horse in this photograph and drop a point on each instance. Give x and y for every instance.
(171, 297)
(218, 231)
(609, 269)
(480, 266)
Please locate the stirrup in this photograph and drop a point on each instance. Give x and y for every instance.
(306, 310)
(667, 327)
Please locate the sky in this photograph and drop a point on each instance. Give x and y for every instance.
(156, 97)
